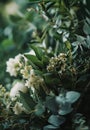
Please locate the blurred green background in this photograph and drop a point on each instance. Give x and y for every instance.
(17, 24)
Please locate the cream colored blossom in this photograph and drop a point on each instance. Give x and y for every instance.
(34, 80)
(26, 71)
(18, 108)
(11, 8)
(2, 90)
(14, 65)
(18, 86)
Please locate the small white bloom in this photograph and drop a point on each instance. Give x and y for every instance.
(18, 108)
(34, 80)
(18, 86)
(26, 71)
(11, 8)
(13, 65)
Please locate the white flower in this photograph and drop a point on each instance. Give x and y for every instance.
(18, 108)
(26, 71)
(13, 65)
(18, 86)
(34, 80)
(11, 8)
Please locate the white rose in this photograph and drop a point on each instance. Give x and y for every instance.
(18, 86)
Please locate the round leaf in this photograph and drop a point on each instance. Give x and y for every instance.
(65, 108)
(56, 120)
(72, 96)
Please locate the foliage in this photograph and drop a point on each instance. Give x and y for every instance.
(16, 28)
(52, 79)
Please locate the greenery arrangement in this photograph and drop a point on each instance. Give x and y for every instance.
(51, 82)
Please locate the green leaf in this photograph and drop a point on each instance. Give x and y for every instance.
(38, 72)
(45, 60)
(39, 109)
(50, 127)
(27, 101)
(35, 1)
(52, 105)
(34, 60)
(80, 38)
(72, 96)
(38, 51)
(86, 28)
(65, 108)
(57, 48)
(83, 78)
(51, 79)
(68, 45)
(56, 120)
(88, 42)
(7, 44)
(14, 18)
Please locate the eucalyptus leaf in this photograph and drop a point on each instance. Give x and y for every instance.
(52, 105)
(56, 120)
(63, 112)
(39, 109)
(88, 42)
(72, 96)
(80, 38)
(86, 28)
(50, 127)
(65, 108)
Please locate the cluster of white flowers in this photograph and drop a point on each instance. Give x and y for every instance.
(14, 65)
(25, 71)
(34, 80)
(14, 93)
(19, 66)
(18, 86)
